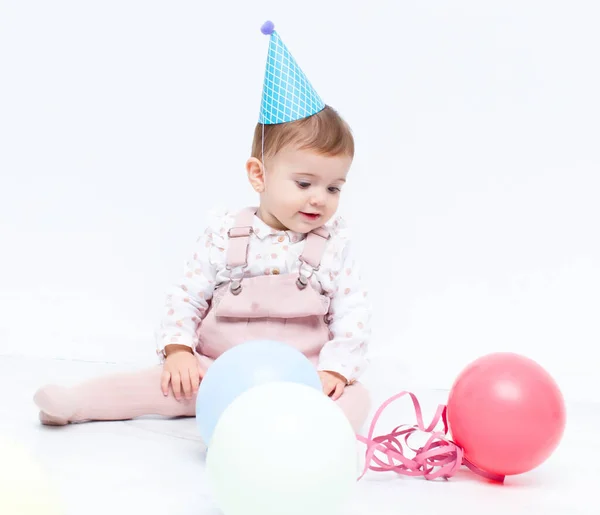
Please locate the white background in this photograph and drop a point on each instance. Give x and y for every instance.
(474, 193)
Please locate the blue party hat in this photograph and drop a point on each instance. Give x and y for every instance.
(287, 94)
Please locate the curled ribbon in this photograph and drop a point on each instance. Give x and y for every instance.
(438, 457)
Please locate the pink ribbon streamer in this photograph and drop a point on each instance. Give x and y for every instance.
(438, 457)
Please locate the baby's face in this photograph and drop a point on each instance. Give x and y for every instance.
(302, 189)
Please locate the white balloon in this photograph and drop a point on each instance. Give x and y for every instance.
(282, 448)
(25, 488)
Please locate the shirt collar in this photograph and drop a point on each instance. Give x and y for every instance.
(263, 231)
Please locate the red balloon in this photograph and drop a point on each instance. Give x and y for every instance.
(507, 413)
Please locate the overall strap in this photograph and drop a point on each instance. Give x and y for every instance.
(314, 248)
(239, 238)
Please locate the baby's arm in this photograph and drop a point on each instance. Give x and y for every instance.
(187, 302)
(350, 323)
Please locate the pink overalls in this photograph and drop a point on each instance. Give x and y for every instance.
(286, 308)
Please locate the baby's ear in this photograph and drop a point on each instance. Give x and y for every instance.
(256, 174)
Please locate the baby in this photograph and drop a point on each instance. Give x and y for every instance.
(281, 271)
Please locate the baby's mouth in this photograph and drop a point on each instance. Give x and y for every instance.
(310, 216)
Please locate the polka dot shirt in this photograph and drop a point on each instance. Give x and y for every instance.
(274, 252)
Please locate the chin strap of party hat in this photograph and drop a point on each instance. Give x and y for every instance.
(438, 457)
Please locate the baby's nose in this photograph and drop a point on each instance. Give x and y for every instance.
(317, 199)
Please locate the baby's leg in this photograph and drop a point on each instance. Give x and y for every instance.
(120, 396)
(355, 403)
(125, 396)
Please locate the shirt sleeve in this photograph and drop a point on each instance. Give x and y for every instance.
(187, 301)
(349, 322)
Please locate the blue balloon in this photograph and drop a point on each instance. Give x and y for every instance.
(242, 367)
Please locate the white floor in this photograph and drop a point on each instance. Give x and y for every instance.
(157, 466)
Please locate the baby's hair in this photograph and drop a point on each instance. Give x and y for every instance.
(325, 133)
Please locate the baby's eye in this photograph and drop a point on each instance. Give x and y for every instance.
(334, 189)
(302, 184)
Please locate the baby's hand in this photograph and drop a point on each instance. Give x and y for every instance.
(182, 370)
(333, 384)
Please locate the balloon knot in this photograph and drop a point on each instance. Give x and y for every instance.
(439, 457)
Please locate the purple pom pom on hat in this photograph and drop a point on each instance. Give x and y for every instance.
(267, 28)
